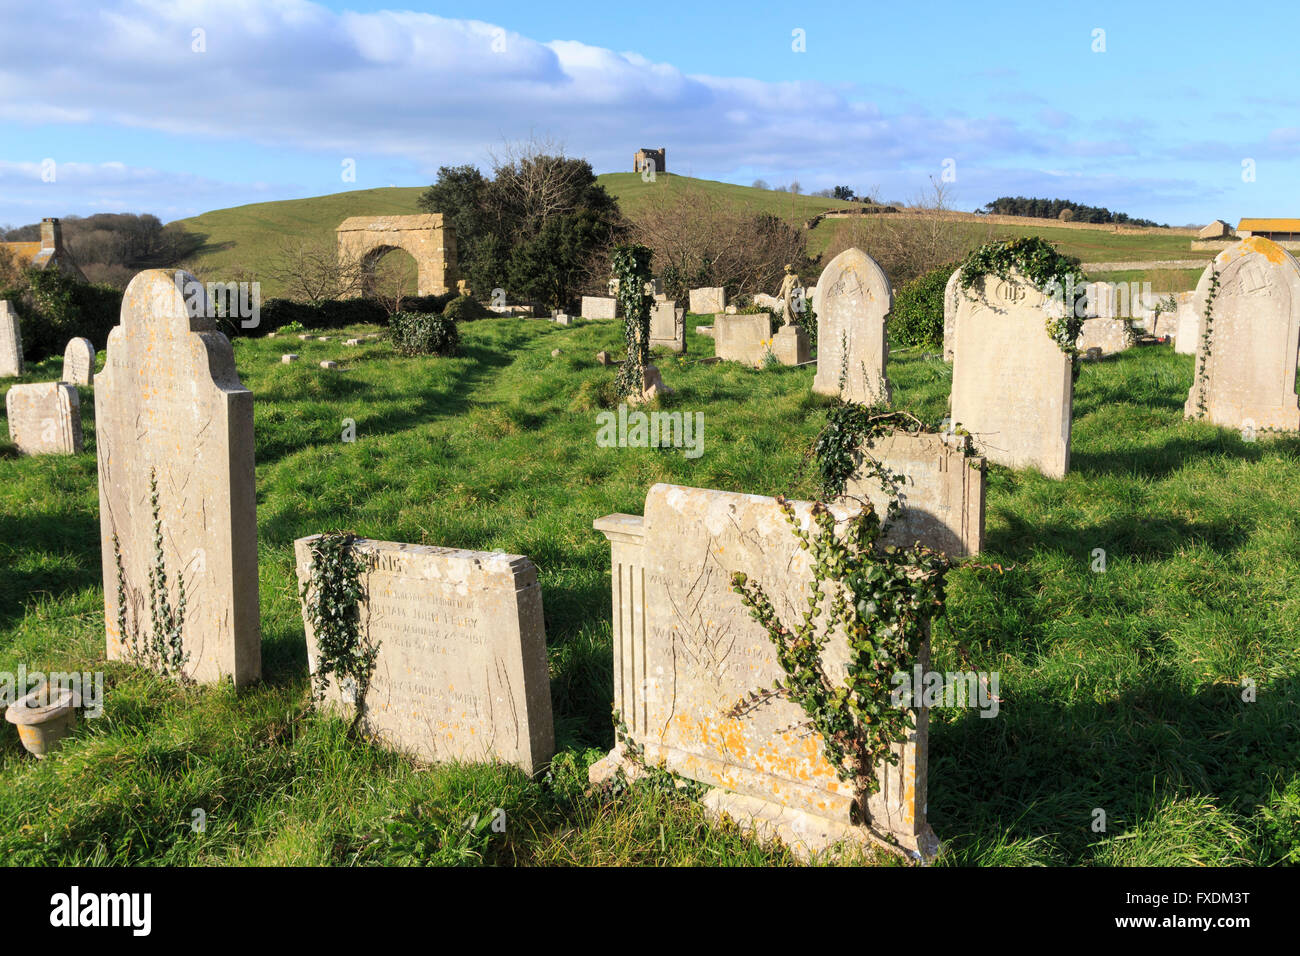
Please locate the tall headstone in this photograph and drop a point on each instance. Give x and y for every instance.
(668, 326)
(11, 342)
(44, 419)
(1246, 365)
(169, 404)
(708, 300)
(951, 298)
(686, 651)
(1012, 386)
(854, 301)
(79, 362)
(940, 490)
(460, 671)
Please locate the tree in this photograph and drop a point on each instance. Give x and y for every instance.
(760, 184)
(313, 270)
(843, 192)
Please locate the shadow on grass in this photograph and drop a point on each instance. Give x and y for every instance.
(72, 534)
(1140, 538)
(1157, 461)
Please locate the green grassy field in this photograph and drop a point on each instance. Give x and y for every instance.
(1121, 690)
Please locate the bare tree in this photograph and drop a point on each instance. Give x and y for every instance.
(394, 278)
(314, 270)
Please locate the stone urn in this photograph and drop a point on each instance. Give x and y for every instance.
(44, 717)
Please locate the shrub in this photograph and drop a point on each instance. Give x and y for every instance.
(428, 303)
(57, 307)
(421, 333)
(277, 314)
(463, 308)
(917, 318)
(340, 313)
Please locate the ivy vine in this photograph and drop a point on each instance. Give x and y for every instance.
(1050, 272)
(1206, 345)
(331, 596)
(882, 600)
(631, 267)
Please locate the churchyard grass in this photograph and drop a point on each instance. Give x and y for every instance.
(1121, 689)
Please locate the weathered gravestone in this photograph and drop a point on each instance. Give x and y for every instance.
(599, 307)
(686, 651)
(44, 419)
(170, 409)
(79, 362)
(668, 326)
(939, 485)
(11, 342)
(708, 300)
(951, 298)
(1187, 334)
(460, 671)
(742, 338)
(1012, 385)
(853, 305)
(791, 345)
(1109, 335)
(1246, 362)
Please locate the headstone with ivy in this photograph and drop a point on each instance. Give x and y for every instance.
(11, 342)
(853, 305)
(1012, 377)
(177, 498)
(937, 482)
(455, 650)
(693, 673)
(44, 418)
(1249, 303)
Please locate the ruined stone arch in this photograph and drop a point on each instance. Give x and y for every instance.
(428, 240)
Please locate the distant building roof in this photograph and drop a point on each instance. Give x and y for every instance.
(1270, 225)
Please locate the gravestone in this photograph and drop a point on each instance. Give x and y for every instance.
(461, 670)
(599, 307)
(1187, 337)
(940, 487)
(11, 342)
(169, 403)
(686, 651)
(79, 362)
(45, 418)
(668, 326)
(1109, 335)
(951, 295)
(708, 300)
(1012, 386)
(791, 346)
(854, 301)
(742, 338)
(1245, 373)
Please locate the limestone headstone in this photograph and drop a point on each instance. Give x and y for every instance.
(45, 418)
(11, 342)
(668, 326)
(853, 305)
(686, 651)
(791, 346)
(708, 300)
(1109, 335)
(79, 362)
(951, 298)
(169, 403)
(940, 489)
(461, 669)
(599, 307)
(742, 338)
(1012, 385)
(1245, 373)
(1187, 334)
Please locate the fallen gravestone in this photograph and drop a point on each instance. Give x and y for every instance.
(79, 362)
(1012, 385)
(460, 671)
(686, 651)
(1246, 360)
(45, 418)
(853, 305)
(170, 411)
(11, 342)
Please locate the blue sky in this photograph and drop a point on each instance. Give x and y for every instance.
(1018, 96)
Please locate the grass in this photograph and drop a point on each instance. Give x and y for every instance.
(1122, 690)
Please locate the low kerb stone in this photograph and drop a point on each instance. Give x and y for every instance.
(742, 338)
(169, 403)
(599, 307)
(327, 364)
(708, 300)
(289, 357)
(853, 305)
(668, 326)
(1245, 373)
(461, 670)
(79, 362)
(790, 345)
(11, 342)
(45, 418)
(1012, 386)
(1109, 335)
(686, 651)
(940, 487)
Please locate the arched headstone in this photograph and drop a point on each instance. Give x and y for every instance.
(853, 305)
(79, 362)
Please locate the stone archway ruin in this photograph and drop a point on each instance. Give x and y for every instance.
(430, 242)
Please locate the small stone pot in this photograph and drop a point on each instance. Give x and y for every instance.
(44, 719)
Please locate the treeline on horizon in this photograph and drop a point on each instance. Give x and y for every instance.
(1062, 209)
